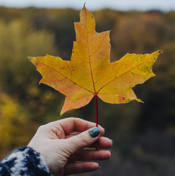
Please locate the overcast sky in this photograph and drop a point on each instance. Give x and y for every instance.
(164, 5)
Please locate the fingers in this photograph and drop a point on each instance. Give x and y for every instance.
(104, 142)
(70, 125)
(89, 155)
(77, 168)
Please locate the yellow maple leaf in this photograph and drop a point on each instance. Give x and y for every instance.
(90, 73)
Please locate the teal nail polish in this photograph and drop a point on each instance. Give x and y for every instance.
(94, 132)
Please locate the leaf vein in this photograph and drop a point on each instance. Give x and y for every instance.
(99, 45)
(122, 74)
(66, 77)
(89, 54)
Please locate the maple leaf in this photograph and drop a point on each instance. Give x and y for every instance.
(90, 73)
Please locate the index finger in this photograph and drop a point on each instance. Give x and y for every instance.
(72, 124)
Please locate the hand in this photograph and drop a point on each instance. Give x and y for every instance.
(61, 147)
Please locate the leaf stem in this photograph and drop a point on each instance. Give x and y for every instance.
(96, 101)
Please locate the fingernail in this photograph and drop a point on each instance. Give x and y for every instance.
(94, 132)
(110, 151)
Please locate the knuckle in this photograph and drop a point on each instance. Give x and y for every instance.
(73, 118)
(41, 128)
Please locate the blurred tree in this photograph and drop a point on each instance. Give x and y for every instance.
(19, 80)
(15, 130)
(139, 33)
(17, 42)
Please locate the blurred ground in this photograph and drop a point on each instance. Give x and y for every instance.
(143, 134)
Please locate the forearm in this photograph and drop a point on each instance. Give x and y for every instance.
(24, 161)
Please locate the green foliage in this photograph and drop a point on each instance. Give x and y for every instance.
(16, 41)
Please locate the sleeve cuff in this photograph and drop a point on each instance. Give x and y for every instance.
(24, 161)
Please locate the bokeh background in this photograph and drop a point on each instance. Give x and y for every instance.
(143, 134)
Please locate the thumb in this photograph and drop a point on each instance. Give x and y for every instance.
(84, 139)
